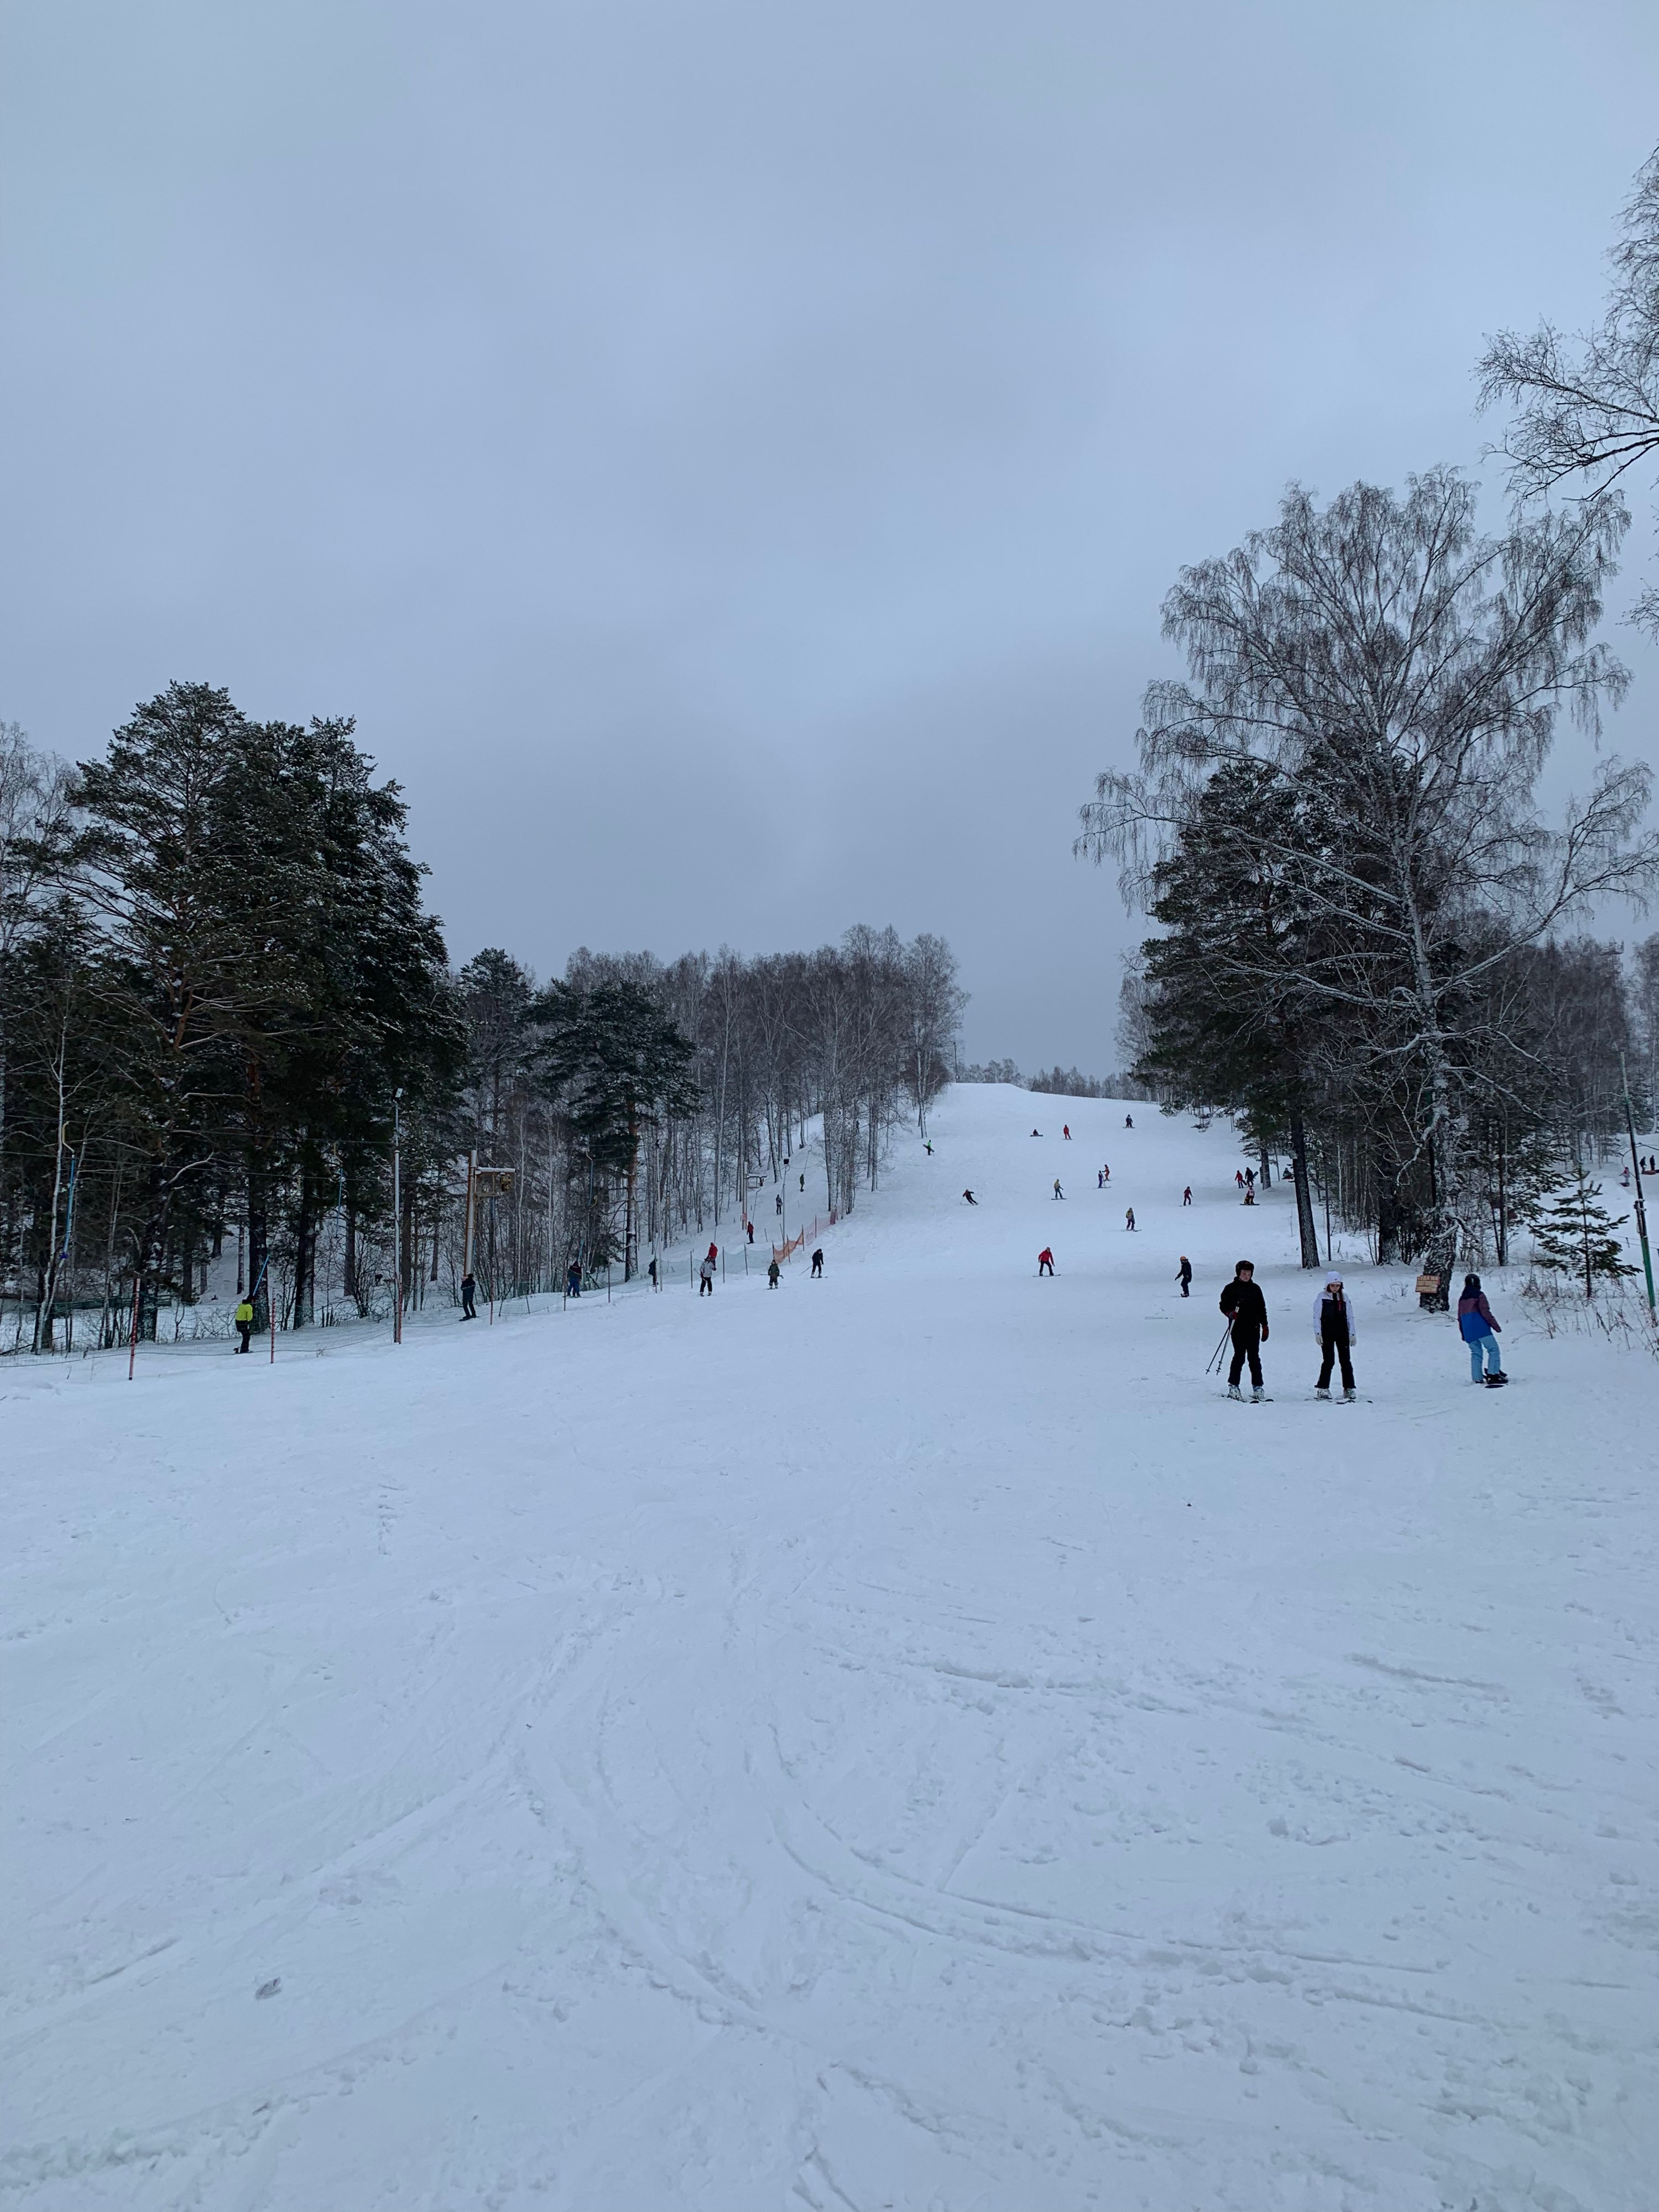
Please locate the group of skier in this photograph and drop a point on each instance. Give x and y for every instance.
(709, 1271)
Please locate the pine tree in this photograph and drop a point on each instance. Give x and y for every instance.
(1574, 1235)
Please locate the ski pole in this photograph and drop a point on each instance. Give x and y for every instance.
(1216, 1356)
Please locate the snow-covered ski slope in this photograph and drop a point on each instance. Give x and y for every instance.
(903, 1740)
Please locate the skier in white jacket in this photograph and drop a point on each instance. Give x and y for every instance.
(1334, 1331)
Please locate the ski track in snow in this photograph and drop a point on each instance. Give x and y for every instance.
(903, 1740)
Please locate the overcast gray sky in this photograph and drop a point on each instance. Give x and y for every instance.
(729, 458)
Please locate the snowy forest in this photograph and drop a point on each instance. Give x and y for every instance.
(1371, 946)
(221, 995)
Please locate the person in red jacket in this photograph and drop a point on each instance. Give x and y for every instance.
(1045, 1262)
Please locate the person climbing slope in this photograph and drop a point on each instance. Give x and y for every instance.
(1247, 1309)
(1334, 1332)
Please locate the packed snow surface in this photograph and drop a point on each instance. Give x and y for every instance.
(902, 1740)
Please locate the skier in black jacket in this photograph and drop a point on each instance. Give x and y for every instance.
(1247, 1309)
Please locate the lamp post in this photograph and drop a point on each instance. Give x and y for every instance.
(397, 1218)
(1635, 1168)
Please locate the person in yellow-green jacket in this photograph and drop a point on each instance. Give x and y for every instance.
(244, 1323)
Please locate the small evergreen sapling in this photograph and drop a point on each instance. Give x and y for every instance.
(1574, 1235)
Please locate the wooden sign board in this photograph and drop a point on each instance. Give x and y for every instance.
(1427, 1285)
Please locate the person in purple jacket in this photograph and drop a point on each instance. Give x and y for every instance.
(1479, 1332)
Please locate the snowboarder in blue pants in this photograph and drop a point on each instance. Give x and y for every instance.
(1478, 1329)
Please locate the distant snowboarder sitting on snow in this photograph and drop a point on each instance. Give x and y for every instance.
(1478, 1331)
(1336, 1335)
(1184, 1276)
(1037, 1132)
(772, 1275)
(1247, 1309)
(817, 1261)
(1045, 1262)
(1250, 1193)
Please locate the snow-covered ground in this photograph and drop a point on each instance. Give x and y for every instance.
(902, 1740)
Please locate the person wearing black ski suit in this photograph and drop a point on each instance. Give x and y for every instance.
(1245, 1307)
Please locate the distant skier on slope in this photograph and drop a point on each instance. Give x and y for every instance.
(1247, 1309)
(772, 1275)
(818, 1262)
(1335, 1333)
(1479, 1332)
(1128, 1120)
(1066, 1131)
(971, 1199)
(1045, 1262)
(1184, 1276)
